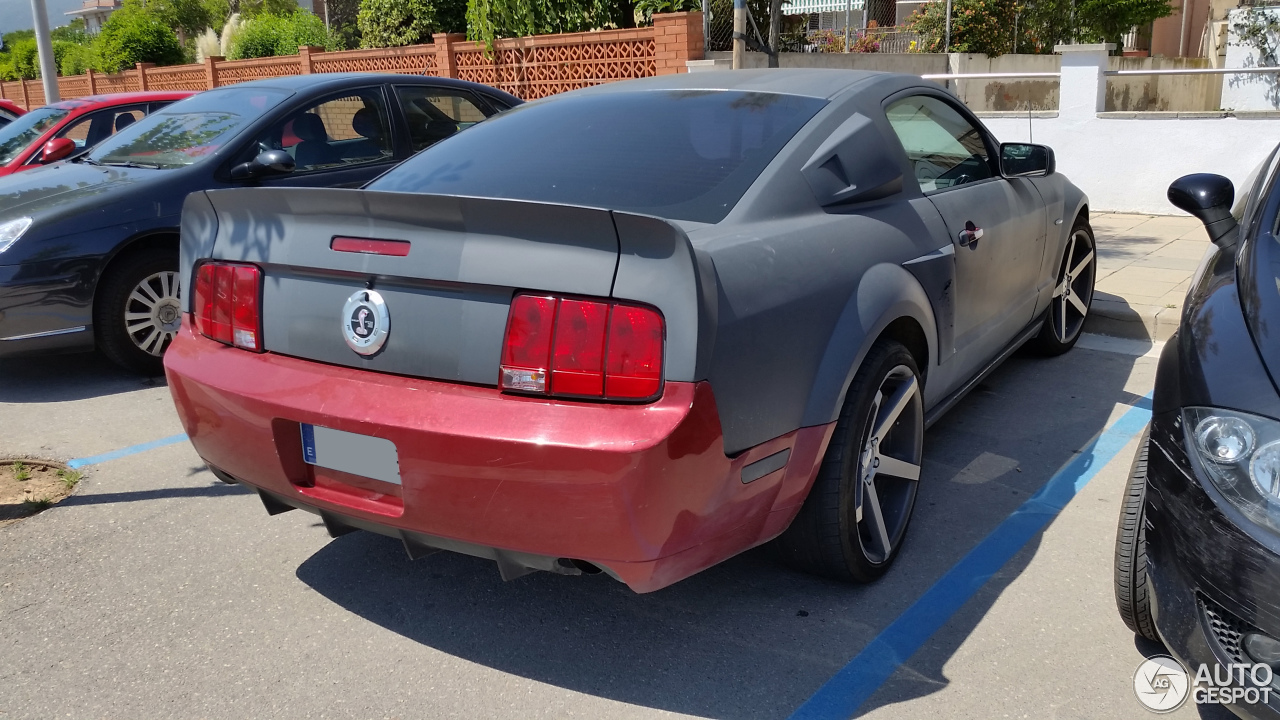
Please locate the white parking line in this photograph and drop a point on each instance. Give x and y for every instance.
(1122, 346)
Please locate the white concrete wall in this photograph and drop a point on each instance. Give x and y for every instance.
(1248, 92)
(1125, 164)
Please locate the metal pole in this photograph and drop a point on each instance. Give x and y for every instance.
(1182, 38)
(739, 33)
(44, 46)
(848, 8)
(706, 23)
(947, 46)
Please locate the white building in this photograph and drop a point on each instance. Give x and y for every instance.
(95, 13)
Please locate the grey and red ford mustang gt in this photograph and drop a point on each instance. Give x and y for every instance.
(636, 329)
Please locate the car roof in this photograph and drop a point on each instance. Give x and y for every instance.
(95, 102)
(323, 80)
(811, 82)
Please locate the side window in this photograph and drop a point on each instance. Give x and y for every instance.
(434, 114)
(944, 148)
(352, 129)
(96, 127)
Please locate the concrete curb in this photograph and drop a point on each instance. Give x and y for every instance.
(1112, 315)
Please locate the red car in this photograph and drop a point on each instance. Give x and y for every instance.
(56, 131)
(9, 111)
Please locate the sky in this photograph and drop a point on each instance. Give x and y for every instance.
(16, 14)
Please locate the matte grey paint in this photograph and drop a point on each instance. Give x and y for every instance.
(776, 305)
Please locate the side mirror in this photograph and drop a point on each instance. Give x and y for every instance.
(1209, 198)
(57, 149)
(1027, 160)
(268, 162)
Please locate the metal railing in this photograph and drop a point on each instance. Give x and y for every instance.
(1196, 71)
(992, 76)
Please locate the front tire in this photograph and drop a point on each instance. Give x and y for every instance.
(852, 524)
(1133, 599)
(1072, 293)
(139, 311)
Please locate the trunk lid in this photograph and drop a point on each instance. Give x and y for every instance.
(447, 299)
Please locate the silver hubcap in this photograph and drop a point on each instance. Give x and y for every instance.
(1074, 292)
(153, 312)
(889, 465)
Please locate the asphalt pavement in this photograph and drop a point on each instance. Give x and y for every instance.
(158, 592)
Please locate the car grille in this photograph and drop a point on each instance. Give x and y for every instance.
(1227, 629)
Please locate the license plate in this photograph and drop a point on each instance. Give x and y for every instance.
(362, 455)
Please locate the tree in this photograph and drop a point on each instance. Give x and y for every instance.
(136, 33)
(1046, 23)
(343, 19)
(977, 26)
(253, 8)
(1109, 20)
(188, 18)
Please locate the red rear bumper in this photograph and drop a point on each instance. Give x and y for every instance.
(644, 491)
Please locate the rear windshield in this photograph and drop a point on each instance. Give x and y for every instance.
(19, 134)
(187, 131)
(686, 155)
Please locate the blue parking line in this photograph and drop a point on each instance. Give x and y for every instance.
(856, 682)
(125, 452)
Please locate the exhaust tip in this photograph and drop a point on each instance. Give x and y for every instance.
(581, 566)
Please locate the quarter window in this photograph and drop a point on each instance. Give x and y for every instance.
(944, 148)
(434, 114)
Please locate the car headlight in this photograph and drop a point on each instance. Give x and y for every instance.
(12, 230)
(1241, 455)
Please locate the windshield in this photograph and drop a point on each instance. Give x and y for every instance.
(189, 130)
(19, 134)
(687, 155)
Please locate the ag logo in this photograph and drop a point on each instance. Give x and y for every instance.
(365, 322)
(1161, 684)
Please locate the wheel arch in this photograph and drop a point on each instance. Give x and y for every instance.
(888, 302)
(148, 241)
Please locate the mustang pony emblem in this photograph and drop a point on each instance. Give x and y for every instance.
(365, 322)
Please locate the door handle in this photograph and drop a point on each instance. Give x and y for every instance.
(970, 235)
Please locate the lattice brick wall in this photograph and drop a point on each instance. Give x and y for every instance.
(412, 60)
(531, 68)
(238, 71)
(180, 77)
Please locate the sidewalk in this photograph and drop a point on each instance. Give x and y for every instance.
(1145, 263)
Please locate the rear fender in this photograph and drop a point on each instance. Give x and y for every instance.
(885, 293)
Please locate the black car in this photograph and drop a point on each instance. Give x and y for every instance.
(1198, 548)
(89, 248)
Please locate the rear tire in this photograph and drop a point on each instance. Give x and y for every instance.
(138, 310)
(1133, 599)
(852, 524)
(1072, 293)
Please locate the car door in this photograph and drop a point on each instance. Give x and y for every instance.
(343, 140)
(996, 227)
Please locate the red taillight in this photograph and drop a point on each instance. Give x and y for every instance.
(526, 352)
(577, 365)
(227, 304)
(634, 367)
(582, 348)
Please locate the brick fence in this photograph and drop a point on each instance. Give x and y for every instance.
(529, 68)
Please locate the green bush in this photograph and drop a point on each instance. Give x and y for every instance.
(270, 35)
(135, 34)
(25, 59)
(393, 23)
(75, 58)
(977, 26)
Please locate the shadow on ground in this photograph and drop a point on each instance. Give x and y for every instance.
(748, 638)
(65, 378)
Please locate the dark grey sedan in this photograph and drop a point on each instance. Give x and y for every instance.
(89, 248)
(637, 328)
